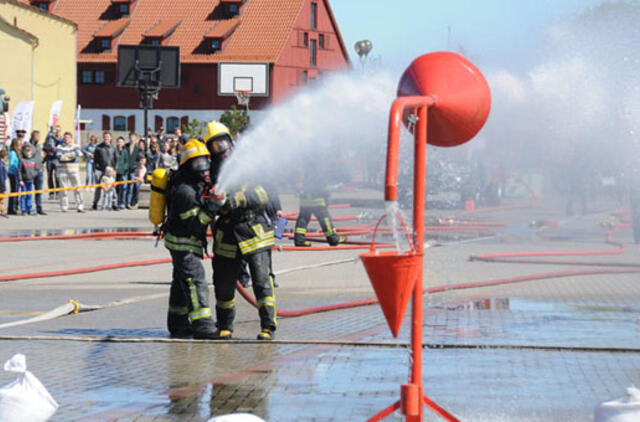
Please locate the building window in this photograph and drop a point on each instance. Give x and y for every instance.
(314, 15)
(120, 123)
(155, 41)
(173, 123)
(306, 39)
(215, 44)
(99, 77)
(44, 6)
(304, 78)
(321, 41)
(87, 76)
(312, 53)
(105, 44)
(124, 9)
(233, 9)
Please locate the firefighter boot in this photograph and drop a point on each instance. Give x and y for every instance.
(179, 326)
(335, 240)
(204, 329)
(266, 334)
(222, 335)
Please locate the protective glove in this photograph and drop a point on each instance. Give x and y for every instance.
(213, 201)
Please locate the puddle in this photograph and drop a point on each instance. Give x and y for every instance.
(512, 321)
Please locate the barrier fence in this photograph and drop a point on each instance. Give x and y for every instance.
(70, 188)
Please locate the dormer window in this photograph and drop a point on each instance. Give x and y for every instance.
(220, 32)
(160, 31)
(232, 7)
(42, 4)
(105, 44)
(123, 8)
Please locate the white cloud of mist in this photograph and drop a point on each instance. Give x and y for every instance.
(328, 127)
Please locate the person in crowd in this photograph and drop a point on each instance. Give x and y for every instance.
(109, 196)
(162, 139)
(182, 138)
(68, 155)
(122, 171)
(169, 159)
(53, 140)
(38, 183)
(28, 174)
(139, 177)
(3, 178)
(153, 155)
(139, 152)
(104, 156)
(88, 150)
(15, 155)
(131, 153)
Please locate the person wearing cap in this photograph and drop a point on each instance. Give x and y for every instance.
(68, 155)
(53, 140)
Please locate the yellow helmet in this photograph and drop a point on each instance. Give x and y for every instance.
(214, 129)
(192, 149)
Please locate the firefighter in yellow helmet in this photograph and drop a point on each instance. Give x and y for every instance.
(219, 141)
(244, 231)
(189, 214)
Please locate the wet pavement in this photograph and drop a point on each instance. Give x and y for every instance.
(544, 350)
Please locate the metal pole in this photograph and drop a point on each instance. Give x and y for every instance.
(419, 182)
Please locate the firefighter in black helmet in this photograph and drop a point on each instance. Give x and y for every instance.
(242, 232)
(188, 218)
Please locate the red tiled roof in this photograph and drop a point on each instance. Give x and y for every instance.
(162, 29)
(112, 28)
(223, 28)
(260, 35)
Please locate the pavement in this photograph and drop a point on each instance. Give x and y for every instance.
(541, 350)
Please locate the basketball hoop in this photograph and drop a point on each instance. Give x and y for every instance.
(243, 97)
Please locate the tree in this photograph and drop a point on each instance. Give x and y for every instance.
(193, 129)
(236, 120)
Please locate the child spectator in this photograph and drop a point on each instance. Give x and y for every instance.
(3, 178)
(141, 172)
(14, 174)
(109, 198)
(28, 173)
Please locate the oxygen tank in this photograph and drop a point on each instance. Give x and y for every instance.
(158, 200)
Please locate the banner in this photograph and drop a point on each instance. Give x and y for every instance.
(78, 140)
(54, 114)
(5, 127)
(22, 118)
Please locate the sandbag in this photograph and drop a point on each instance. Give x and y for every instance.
(25, 399)
(236, 417)
(625, 409)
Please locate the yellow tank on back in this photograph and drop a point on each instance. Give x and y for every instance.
(158, 200)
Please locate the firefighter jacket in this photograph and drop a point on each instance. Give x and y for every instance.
(244, 225)
(187, 216)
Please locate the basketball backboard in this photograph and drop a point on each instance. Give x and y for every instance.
(251, 77)
(153, 65)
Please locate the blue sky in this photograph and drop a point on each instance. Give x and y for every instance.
(501, 33)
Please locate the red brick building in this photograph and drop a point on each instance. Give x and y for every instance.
(299, 40)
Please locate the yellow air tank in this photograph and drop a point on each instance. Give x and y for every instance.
(158, 200)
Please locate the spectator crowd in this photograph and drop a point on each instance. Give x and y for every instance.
(25, 164)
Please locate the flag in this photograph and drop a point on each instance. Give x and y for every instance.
(54, 114)
(22, 117)
(78, 140)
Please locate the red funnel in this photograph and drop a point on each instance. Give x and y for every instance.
(392, 276)
(461, 93)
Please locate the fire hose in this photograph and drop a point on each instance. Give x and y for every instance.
(632, 268)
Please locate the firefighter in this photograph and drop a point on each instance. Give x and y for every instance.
(189, 214)
(314, 199)
(242, 232)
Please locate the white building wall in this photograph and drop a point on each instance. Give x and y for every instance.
(95, 116)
